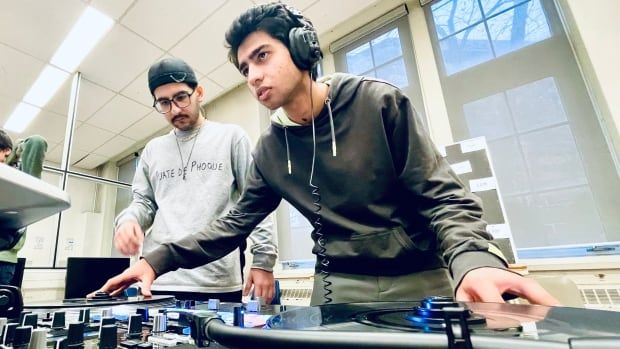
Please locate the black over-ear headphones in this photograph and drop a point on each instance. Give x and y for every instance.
(304, 42)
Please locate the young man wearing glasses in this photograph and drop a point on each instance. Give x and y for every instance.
(186, 179)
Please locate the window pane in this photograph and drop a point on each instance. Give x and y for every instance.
(394, 73)
(386, 47)
(41, 236)
(541, 219)
(536, 105)
(127, 170)
(489, 117)
(86, 228)
(294, 234)
(392, 59)
(524, 25)
(466, 49)
(552, 158)
(451, 16)
(491, 7)
(509, 166)
(359, 59)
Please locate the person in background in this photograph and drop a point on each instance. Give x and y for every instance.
(27, 155)
(185, 180)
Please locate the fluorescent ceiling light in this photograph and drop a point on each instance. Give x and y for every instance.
(82, 38)
(46, 85)
(21, 117)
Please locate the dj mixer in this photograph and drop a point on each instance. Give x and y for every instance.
(435, 322)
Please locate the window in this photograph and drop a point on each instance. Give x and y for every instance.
(387, 54)
(381, 58)
(294, 240)
(554, 166)
(98, 189)
(473, 32)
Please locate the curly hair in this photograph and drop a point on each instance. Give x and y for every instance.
(273, 18)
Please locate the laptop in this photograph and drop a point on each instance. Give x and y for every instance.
(87, 274)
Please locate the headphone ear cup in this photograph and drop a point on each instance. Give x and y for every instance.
(296, 49)
(304, 47)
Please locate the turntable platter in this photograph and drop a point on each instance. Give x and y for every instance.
(554, 324)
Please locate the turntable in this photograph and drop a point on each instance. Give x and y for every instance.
(436, 322)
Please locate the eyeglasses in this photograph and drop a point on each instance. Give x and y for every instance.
(181, 100)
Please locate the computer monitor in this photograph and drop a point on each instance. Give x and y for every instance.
(87, 274)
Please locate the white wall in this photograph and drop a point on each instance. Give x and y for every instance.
(593, 27)
(237, 107)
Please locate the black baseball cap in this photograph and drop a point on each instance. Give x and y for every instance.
(170, 70)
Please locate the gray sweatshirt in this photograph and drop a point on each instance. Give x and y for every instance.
(175, 208)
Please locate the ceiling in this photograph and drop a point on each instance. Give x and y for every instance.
(114, 108)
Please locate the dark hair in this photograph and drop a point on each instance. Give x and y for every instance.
(5, 141)
(273, 18)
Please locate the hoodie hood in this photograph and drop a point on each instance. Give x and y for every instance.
(342, 88)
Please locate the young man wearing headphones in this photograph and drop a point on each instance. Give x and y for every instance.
(391, 220)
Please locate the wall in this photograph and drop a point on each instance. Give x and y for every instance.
(592, 27)
(237, 107)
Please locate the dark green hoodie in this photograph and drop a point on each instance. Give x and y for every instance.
(386, 204)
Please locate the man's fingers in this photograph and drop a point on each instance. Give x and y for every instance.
(480, 292)
(463, 296)
(270, 294)
(248, 286)
(138, 234)
(265, 292)
(535, 294)
(128, 238)
(487, 292)
(145, 286)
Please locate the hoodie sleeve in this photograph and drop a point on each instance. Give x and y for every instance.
(143, 206)
(224, 234)
(452, 212)
(263, 246)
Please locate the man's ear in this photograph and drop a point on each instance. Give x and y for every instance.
(200, 93)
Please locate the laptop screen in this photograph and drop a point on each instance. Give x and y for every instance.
(88, 274)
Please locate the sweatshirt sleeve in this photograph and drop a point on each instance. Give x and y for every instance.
(224, 234)
(143, 206)
(452, 212)
(263, 246)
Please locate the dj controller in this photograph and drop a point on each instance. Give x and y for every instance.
(435, 322)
